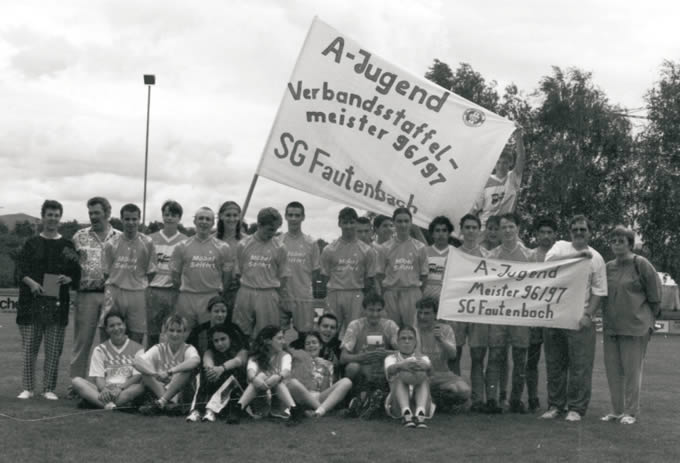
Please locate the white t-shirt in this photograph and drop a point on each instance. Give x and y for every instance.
(115, 365)
(280, 365)
(162, 358)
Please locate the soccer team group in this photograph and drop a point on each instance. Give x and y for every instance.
(217, 309)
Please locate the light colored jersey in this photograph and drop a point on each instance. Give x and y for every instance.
(162, 358)
(519, 253)
(347, 264)
(261, 264)
(403, 263)
(164, 249)
(303, 260)
(436, 261)
(91, 251)
(398, 357)
(128, 262)
(498, 197)
(478, 251)
(597, 278)
(202, 264)
(429, 346)
(115, 365)
(358, 331)
(280, 365)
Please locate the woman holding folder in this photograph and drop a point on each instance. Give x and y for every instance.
(47, 264)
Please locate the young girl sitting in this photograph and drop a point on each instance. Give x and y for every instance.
(268, 367)
(168, 366)
(224, 358)
(408, 375)
(313, 385)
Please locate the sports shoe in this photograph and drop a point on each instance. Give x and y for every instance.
(611, 417)
(492, 407)
(534, 405)
(296, 414)
(407, 421)
(49, 395)
(354, 408)
(551, 414)
(209, 416)
(517, 406)
(25, 395)
(420, 421)
(281, 414)
(628, 419)
(110, 406)
(572, 416)
(375, 402)
(194, 416)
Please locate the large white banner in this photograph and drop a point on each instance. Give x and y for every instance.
(499, 292)
(358, 130)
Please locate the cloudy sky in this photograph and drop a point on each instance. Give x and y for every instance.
(72, 123)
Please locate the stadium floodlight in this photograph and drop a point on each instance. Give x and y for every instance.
(149, 80)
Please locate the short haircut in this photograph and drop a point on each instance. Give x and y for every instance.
(173, 207)
(440, 220)
(347, 213)
(175, 320)
(493, 219)
(511, 217)
(329, 316)
(545, 222)
(373, 298)
(428, 303)
(627, 233)
(378, 221)
(269, 216)
(204, 209)
(51, 204)
(129, 207)
(307, 334)
(364, 221)
(581, 218)
(406, 328)
(297, 205)
(103, 202)
(472, 217)
(214, 301)
(401, 210)
(114, 313)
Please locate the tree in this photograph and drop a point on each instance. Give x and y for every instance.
(465, 82)
(153, 227)
(24, 229)
(116, 223)
(659, 154)
(68, 229)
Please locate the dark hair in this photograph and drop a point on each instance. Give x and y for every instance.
(328, 315)
(269, 216)
(373, 298)
(428, 303)
(364, 220)
(219, 328)
(103, 202)
(51, 204)
(347, 213)
(493, 219)
(129, 207)
(545, 222)
(581, 218)
(297, 205)
(220, 225)
(114, 313)
(627, 233)
(378, 221)
(511, 217)
(213, 301)
(401, 210)
(307, 334)
(472, 217)
(440, 220)
(406, 328)
(173, 207)
(260, 349)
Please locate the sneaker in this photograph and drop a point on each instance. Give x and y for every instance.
(25, 395)
(534, 405)
(517, 406)
(610, 417)
(209, 416)
(194, 416)
(573, 416)
(492, 407)
(551, 414)
(296, 414)
(420, 422)
(407, 421)
(354, 408)
(281, 414)
(110, 406)
(49, 395)
(628, 419)
(375, 402)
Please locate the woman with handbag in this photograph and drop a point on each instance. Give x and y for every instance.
(632, 306)
(47, 264)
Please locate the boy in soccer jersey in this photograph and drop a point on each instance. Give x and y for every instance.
(440, 229)
(202, 267)
(304, 264)
(364, 230)
(384, 228)
(476, 333)
(262, 264)
(162, 293)
(403, 270)
(116, 382)
(129, 263)
(502, 336)
(348, 266)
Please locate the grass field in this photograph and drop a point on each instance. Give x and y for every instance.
(100, 436)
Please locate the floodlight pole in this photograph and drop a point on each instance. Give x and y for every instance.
(149, 80)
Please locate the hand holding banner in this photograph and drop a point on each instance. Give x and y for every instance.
(497, 292)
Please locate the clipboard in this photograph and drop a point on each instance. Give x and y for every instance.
(50, 285)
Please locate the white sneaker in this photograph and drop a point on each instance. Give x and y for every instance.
(25, 395)
(611, 417)
(49, 395)
(194, 416)
(628, 419)
(109, 406)
(209, 416)
(573, 416)
(551, 414)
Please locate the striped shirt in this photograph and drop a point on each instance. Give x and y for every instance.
(115, 365)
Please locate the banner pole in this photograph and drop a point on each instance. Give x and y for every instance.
(248, 196)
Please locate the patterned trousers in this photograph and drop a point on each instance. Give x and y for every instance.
(31, 338)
